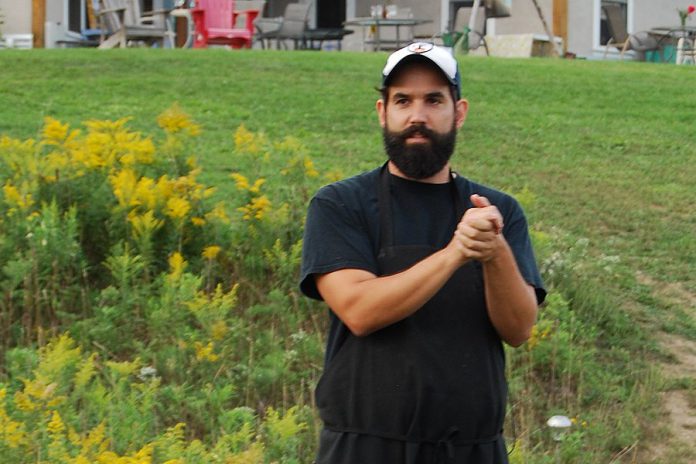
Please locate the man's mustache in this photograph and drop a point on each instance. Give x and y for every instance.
(416, 129)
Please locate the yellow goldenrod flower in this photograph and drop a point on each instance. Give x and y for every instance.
(56, 425)
(333, 176)
(16, 198)
(218, 213)
(74, 437)
(86, 372)
(144, 455)
(197, 221)
(108, 127)
(84, 156)
(177, 264)
(533, 338)
(240, 181)
(177, 208)
(143, 150)
(144, 194)
(124, 183)
(256, 208)
(256, 188)
(164, 188)
(289, 145)
(219, 330)
(108, 457)
(246, 142)
(54, 133)
(205, 353)
(99, 151)
(211, 252)
(96, 439)
(12, 432)
(23, 402)
(123, 368)
(174, 120)
(310, 171)
(301, 165)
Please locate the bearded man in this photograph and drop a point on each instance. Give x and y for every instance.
(425, 273)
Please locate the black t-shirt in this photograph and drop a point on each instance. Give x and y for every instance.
(342, 229)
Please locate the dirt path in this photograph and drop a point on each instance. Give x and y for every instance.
(679, 404)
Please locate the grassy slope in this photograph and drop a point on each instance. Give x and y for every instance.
(608, 149)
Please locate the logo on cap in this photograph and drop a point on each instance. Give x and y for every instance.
(420, 47)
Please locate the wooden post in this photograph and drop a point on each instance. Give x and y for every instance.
(38, 18)
(560, 21)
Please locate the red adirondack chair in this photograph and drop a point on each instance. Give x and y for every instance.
(214, 22)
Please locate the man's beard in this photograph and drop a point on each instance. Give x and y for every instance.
(419, 160)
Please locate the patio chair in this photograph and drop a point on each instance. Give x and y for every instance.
(620, 39)
(125, 23)
(291, 26)
(215, 24)
(245, 5)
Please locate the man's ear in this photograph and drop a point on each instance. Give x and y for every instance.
(461, 109)
(381, 112)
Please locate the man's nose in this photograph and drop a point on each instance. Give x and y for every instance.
(418, 113)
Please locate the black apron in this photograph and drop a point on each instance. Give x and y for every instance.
(434, 379)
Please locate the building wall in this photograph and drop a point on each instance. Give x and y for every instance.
(580, 27)
(583, 21)
(523, 18)
(654, 13)
(17, 16)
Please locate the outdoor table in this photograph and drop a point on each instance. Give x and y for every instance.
(668, 36)
(322, 34)
(378, 23)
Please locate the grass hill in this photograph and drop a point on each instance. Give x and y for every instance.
(601, 154)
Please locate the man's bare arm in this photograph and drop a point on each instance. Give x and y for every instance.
(366, 303)
(511, 302)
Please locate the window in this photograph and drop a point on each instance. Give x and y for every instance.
(600, 29)
(76, 15)
(604, 34)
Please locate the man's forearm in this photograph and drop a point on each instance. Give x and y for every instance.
(366, 303)
(511, 302)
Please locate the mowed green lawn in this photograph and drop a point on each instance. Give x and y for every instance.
(607, 150)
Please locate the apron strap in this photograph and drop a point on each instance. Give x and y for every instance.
(386, 225)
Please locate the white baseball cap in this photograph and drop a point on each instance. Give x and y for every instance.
(441, 57)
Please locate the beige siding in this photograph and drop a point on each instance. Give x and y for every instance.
(524, 18)
(580, 27)
(17, 16)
